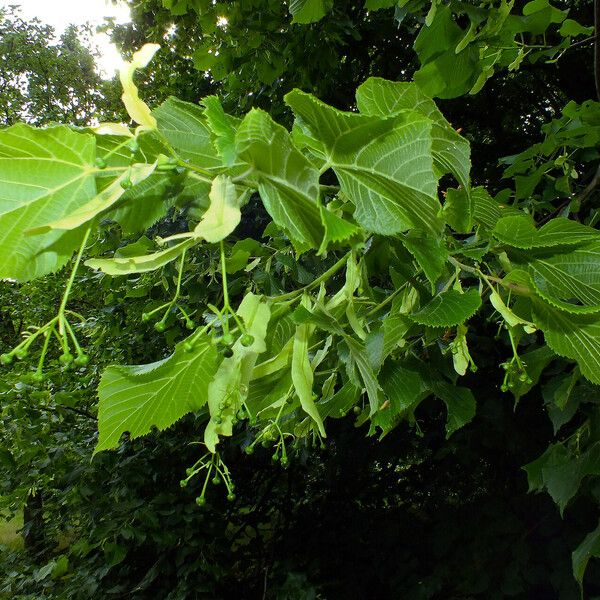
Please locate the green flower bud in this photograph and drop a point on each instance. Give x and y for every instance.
(231, 496)
(200, 501)
(81, 360)
(247, 340)
(160, 326)
(6, 359)
(66, 358)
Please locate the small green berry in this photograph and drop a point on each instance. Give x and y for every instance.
(145, 317)
(284, 461)
(66, 358)
(189, 472)
(227, 339)
(81, 360)
(160, 326)
(249, 450)
(247, 340)
(200, 501)
(126, 184)
(188, 347)
(231, 496)
(183, 483)
(190, 325)
(6, 359)
(216, 480)
(357, 410)
(275, 457)
(38, 377)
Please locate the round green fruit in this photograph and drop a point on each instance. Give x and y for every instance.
(160, 326)
(81, 360)
(38, 377)
(6, 359)
(247, 340)
(66, 358)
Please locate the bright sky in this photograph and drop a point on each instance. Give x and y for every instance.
(60, 13)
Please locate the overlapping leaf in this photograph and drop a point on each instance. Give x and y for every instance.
(448, 308)
(451, 152)
(520, 232)
(288, 183)
(45, 175)
(384, 165)
(135, 398)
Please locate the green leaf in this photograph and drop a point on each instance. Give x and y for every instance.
(223, 215)
(459, 208)
(135, 398)
(337, 229)
(590, 547)
(309, 11)
(569, 281)
(448, 308)
(520, 232)
(184, 127)
(139, 264)
(102, 202)
(460, 403)
(461, 358)
(45, 175)
(486, 210)
(229, 387)
(302, 375)
(287, 182)
(404, 389)
(561, 472)
(451, 152)
(384, 165)
(573, 336)
(224, 128)
(573, 28)
(443, 73)
(138, 110)
(430, 253)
